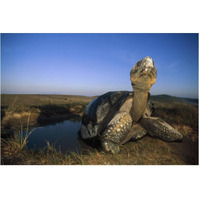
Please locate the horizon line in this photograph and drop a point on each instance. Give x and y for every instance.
(90, 95)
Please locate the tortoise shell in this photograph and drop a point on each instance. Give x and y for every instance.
(100, 112)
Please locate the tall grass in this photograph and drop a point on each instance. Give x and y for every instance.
(20, 138)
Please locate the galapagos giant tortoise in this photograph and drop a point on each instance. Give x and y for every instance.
(117, 117)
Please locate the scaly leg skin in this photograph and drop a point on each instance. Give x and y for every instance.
(116, 132)
(137, 130)
(157, 127)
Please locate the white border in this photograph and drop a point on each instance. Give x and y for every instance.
(99, 182)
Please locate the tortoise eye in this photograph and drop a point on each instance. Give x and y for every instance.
(139, 63)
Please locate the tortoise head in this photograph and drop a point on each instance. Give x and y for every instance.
(143, 74)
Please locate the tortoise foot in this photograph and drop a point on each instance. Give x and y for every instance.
(109, 146)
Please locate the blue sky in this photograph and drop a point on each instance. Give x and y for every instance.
(92, 64)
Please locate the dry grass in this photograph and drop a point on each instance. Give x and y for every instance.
(147, 151)
(15, 108)
(11, 101)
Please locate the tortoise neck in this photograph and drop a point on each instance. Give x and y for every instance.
(140, 99)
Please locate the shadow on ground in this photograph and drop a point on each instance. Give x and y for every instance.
(50, 114)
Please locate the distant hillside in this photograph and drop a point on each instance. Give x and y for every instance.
(173, 99)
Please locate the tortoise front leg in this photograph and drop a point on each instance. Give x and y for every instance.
(157, 127)
(116, 132)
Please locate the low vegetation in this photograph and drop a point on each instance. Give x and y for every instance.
(20, 112)
(15, 109)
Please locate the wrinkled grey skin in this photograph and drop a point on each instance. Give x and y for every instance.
(117, 117)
